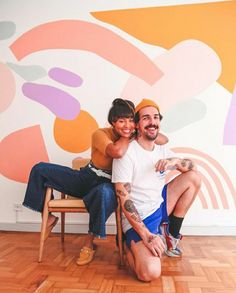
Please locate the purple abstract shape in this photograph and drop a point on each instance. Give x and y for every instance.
(229, 130)
(60, 103)
(65, 77)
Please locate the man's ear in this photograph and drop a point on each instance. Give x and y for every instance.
(137, 129)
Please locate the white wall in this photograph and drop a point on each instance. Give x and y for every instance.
(103, 81)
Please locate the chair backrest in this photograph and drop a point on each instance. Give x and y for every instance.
(79, 162)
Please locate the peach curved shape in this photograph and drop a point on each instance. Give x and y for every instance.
(211, 23)
(19, 151)
(200, 194)
(219, 168)
(75, 135)
(189, 68)
(8, 87)
(82, 35)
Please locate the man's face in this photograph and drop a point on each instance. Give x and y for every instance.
(149, 123)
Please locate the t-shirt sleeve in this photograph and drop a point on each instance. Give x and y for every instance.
(122, 169)
(100, 141)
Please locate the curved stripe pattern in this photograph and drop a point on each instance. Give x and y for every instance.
(210, 167)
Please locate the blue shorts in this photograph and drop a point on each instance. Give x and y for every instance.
(152, 222)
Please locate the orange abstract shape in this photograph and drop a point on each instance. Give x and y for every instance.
(210, 166)
(211, 23)
(75, 135)
(19, 151)
(7, 87)
(82, 35)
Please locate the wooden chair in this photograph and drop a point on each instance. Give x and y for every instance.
(70, 204)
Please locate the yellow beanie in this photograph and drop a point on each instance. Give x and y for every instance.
(146, 103)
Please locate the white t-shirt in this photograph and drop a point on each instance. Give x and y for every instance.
(137, 167)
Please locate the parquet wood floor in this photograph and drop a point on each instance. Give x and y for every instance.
(208, 265)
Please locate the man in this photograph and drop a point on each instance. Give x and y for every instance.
(146, 201)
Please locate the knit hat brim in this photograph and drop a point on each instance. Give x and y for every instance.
(146, 103)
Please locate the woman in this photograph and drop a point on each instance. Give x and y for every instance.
(91, 183)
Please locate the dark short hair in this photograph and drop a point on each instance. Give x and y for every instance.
(120, 109)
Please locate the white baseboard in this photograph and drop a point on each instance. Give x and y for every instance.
(82, 227)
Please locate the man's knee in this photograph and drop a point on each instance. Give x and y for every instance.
(195, 179)
(149, 273)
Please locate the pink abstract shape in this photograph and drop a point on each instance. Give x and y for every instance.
(65, 77)
(60, 103)
(216, 180)
(8, 87)
(82, 35)
(229, 130)
(19, 151)
(189, 67)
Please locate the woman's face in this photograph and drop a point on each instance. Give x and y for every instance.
(124, 127)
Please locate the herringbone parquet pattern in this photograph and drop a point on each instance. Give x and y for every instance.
(208, 265)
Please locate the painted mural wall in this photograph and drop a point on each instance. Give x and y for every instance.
(63, 62)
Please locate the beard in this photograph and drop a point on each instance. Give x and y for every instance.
(149, 136)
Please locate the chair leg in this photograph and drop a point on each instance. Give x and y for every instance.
(44, 222)
(63, 196)
(119, 233)
(62, 227)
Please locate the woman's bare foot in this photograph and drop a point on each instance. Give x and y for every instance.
(51, 223)
(51, 220)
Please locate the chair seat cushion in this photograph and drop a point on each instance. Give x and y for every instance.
(66, 203)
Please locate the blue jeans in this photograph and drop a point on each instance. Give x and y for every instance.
(97, 192)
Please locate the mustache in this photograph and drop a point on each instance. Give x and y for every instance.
(152, 126)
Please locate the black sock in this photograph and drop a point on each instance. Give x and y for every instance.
(175, 225)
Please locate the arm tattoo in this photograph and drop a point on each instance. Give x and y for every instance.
(120, 192)
(186, 162)
(190, 165)
(127, 186)
(151, 238)
(183, 163)
(130, 207)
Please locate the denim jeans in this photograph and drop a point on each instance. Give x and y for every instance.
(97, 192)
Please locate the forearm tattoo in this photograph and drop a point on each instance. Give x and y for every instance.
(130, 207)
(186, 163)
(120, 192)
(127, 186)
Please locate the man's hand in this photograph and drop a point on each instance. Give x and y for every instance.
(155, 244)
(166, 164)
(182, 165)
